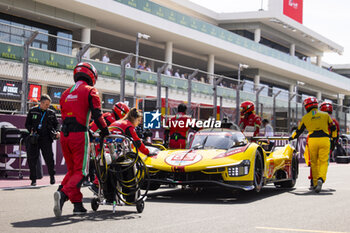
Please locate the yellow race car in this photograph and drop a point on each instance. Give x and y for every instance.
(224, 157)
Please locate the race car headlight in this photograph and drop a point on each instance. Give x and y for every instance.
(241, 169)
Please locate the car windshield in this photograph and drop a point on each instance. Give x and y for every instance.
(218, 140)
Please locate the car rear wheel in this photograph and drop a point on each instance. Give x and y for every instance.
(295, 171)
(258, 171)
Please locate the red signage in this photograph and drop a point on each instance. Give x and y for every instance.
(293, 9)
(34, 92)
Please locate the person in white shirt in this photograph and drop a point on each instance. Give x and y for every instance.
(168, 72)
(268, 133)
(177, 74)
(105, 58)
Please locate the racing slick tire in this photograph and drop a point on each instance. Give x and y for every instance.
(295, 171)
(342, 159)
(258, 172)
(94, 204)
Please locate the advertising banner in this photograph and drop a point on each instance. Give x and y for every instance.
(109, 100)
(293, 9)
(34, 92)
(55, 93)
(10, 89)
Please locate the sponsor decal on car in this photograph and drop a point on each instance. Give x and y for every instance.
(183, 158)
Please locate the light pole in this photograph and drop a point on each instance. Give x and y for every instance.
(238, 88)
(24, 90)
(299, 83)
(243, 66)
(138, 37)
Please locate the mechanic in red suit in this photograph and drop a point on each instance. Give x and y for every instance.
(78, 103)
(327, 107)
(118, 112)
(249, 118)
(177, 131)
(128, 124)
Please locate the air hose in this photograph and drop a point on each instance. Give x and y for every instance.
(125, 174)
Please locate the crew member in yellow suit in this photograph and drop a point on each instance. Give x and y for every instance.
(318, 124)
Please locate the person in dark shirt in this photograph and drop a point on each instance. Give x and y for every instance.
(43, 126)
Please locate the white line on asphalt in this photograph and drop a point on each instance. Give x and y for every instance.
(298, 230)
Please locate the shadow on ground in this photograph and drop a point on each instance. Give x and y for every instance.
(102, 215)
(213, 195)
(324, 192)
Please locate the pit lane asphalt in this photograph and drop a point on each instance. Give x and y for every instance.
(176, 210)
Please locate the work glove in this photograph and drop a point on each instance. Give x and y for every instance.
(290, 138)
(152, 154)
(104, 132)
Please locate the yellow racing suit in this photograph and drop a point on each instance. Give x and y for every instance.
(318, 124)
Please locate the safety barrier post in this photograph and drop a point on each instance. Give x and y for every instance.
(166, 100)
(216, 81)
(189, 93)
(274, 109)
(258, 90)
(337, 113)
(238, 88)
(122, 76)
(25, 72)
(346, 118)
(81, 52)
(289, 110)
(221, 112)
(160, 70)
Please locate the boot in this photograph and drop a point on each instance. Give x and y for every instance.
(33, 183)
(52, 179)
(59, 199)
(79, 209)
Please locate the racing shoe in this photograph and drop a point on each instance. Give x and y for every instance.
(59, 199)
(94, 189)
(79, 209)
(319, 185)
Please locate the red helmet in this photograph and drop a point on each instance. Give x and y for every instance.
(310, 103)
(247, 107)
(33, 100)
(87, 72)
(326, 107)
(120, 109)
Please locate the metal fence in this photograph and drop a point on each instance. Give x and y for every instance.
(28, 68)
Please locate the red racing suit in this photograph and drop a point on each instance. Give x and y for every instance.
(336, 123)
(129, 130)
(178, 129)
(109, 118)
(335, 140)
(251, 119)
(77, 104)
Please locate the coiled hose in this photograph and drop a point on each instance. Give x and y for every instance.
(125, 175)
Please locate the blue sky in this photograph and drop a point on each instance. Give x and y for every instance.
(330, 18)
